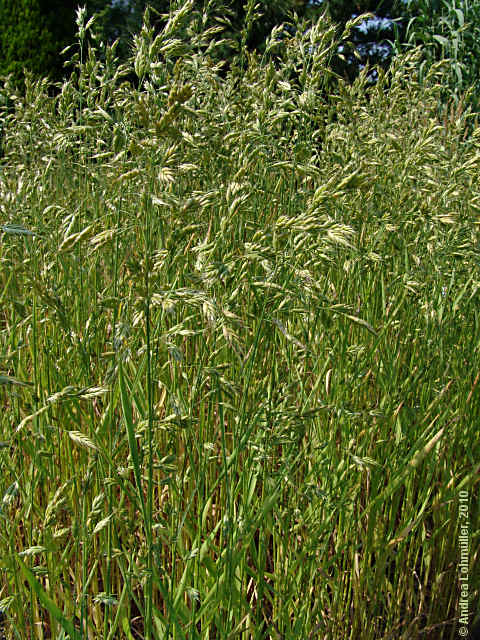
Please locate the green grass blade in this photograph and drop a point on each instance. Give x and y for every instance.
(132, 442)
(48, 603)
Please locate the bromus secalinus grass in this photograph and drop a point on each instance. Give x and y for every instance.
(239, 345)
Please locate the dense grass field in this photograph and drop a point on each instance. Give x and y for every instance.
(239, 347)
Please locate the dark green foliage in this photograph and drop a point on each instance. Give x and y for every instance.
(369, 43)
(240, 23)
(343, 10)
(32, 34)
(449, 29)
(256, 24)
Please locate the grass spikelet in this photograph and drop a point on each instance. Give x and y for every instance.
(82, 440)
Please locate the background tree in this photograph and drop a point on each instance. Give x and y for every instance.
(32, 34)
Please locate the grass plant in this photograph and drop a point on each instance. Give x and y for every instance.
(239, 345)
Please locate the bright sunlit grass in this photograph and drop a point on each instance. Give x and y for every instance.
(239, 348)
